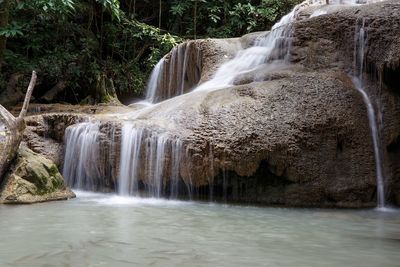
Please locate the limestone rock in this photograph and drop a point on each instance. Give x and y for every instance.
(33, 178)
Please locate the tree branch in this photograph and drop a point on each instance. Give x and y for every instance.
(28, 95)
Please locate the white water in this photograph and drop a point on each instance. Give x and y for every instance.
(145, 153)
(360, 41)
(82, 166)
(155, 82)
(170, 78)
(318, 13)
(275, 43)
(176, 154)
(129, 161)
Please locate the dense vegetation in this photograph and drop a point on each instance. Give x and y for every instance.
(80, 46)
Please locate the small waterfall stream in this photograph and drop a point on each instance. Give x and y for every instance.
(154, 82)
(360, 43)
(275, 45)
(149, 154)
(175, 73)
(82, 167)
(130, 158)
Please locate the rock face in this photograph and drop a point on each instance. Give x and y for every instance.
(44, 134)
(284, 134)
(33, 178)
(333, 48)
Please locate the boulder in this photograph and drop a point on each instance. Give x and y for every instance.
(33, 178)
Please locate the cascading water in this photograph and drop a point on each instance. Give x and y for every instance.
(89, 162)
(82, 168)
(155, 82)
(274, 46)
(146, 157)
(175, 73)
(360, 43)
(144, 154)
(130, 158)
(155, 162)
(176, 147)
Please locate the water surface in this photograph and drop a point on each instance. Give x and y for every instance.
(107, 230)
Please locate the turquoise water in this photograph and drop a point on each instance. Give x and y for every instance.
(107, 230)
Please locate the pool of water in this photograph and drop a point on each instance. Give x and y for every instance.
(107, 230)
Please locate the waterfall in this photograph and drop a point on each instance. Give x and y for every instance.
(360, 43)
(273, 46)
(175, 73)
(175, 167)
(82, 168)
(129, 161)
(150, 157)
(155, 82)
(155, 162)
(149, 162)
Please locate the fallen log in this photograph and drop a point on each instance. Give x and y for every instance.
(12, 129)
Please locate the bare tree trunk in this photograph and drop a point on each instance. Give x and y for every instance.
(28, 95)
(12, 129)
(4, 14)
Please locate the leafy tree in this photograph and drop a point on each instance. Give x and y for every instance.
(4, 14)
(84, 43)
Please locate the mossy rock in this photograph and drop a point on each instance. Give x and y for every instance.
(33, 178)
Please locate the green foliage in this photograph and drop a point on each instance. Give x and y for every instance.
(112, 6)
(67, 48)
(79, 40)
(217, 18)
(46, 7)
(11, 30)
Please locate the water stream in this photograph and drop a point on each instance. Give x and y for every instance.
(360, 43)
(173, 75)
(144, 154)
(82, 166)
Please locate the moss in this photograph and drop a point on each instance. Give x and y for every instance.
(39, 171)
